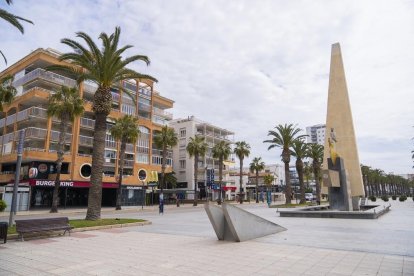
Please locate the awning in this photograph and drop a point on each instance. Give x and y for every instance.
(65, 183)
(229, 188)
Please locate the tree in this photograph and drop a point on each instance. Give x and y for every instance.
(126, 131)
(165, 140)
(300, 151)
(268, 180)
(256, 166)
(196, 147)
(283, 138)
(105, 66)
(65, 104)
(307, 172)
(221, 151)
(14, 20)
(316, 154)
(7, 91)
(241, 150)
(365, 171)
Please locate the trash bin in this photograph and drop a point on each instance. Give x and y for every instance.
(3, 231)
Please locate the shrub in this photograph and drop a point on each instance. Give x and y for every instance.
(394, 197)
(3, 205)
(385, 198)
(403, 198)
(373, 198)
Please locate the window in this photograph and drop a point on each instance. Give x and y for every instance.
(143, 144)
(182, 132)
(182, 164)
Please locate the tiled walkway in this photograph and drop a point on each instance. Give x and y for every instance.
(170, 248)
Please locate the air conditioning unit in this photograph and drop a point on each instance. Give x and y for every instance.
(107, 160)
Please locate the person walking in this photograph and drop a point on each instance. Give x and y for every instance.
(161, 207)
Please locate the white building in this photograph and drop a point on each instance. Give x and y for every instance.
(316, 134)
(183, 165)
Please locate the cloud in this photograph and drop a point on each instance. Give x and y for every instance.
(248, 67)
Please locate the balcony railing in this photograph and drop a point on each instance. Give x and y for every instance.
(130, 148)
(110, 144)
(129, 163)
(144, 107)
(32, 112)
(35, 133)
(8, 138)
(2, 122)
(87, 123)
(159, 121)
(161, 112)
(40, 73)
(10, 119)
(38, 88)
(85, 141)
(54, 136)
(159, 153)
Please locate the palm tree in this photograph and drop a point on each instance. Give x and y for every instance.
(105, 67)
(7, 91)
(365, 172)
(125, 130)
(165, 140)
(300, 151)
(242, 150)
(221, 151)
(283, 138)
(257, 165)
(65, 104)
(12, 19)
(196, 147)
(268, 179)
(307, 172)
(316, 154)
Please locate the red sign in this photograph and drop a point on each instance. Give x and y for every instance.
(75, 184)
(229, 188)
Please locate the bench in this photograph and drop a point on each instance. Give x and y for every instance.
(42, 225)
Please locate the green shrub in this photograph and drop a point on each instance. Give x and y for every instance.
(3, 205)
(403, 198)
(394, 197)
(373, 198)
(385, 198)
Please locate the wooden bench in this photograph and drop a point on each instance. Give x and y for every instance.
(42, 225)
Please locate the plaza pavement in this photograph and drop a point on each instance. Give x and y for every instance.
(182, 242)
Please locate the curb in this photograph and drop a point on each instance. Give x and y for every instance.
(84, 229)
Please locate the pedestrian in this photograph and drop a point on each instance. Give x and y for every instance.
(161, 206)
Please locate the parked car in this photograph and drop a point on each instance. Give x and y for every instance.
(308, 196)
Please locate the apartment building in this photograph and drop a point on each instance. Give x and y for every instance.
(316, 134)
(184, 165)
(28, 113)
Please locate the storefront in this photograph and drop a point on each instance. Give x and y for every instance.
(71, 193)
(133, 195)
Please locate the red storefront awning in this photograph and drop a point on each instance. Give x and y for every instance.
(75, 184)
(229, 188)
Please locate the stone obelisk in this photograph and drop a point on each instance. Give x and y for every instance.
(340, 126)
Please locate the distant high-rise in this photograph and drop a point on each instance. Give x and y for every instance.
(316, 134)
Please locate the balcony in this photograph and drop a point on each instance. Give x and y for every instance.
(110, 144)
(10, 119)
(129, 163)
(2, 122)
(35, 133)
(8, 138)
(87, 123)
(85, 141)
(159, 153)
(144, 107)
(162, 113)
(159, 121)
(38, 89)
(42, 74)
(32, 112)
(130, 148)
(54, 136)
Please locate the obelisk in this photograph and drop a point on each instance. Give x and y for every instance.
(339, 124)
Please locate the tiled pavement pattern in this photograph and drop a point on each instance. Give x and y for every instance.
(183, 243)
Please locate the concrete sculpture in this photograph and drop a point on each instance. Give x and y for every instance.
(232, 223)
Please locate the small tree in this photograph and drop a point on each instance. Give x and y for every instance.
(65, 104)
(197, 147)
(221, 151)
(316, 153)
(7, 91)
(125, 130)
(257, 166)
(268, 179)
(242, 150)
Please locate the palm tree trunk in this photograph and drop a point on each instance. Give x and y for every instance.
(317, 183)
(257, 186)
(195, 178)
(299, 168)
(288, 190)
(241, 181)
(163, 167)
(95, 190)
(121, 173)
(60, 154)
(220, 179)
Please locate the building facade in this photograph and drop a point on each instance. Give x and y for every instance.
(28, 114)
(184, 165)
(316, 134)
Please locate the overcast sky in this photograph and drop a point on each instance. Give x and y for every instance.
(248, 66)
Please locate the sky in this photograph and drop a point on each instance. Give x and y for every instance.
(248, 66)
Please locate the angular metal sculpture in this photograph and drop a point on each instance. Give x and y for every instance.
(232, 223)
(339, 124)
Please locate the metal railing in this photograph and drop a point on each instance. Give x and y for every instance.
(31, 112)
(10, 119)
(54, 136)
(130, 148)
(35, 133)
(161, 112)
(38, 88)
(129, 163)
(87, 123)
(85, 141)
(40, 73)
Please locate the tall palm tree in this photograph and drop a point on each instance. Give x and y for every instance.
(283, 138)
(221, 151)
(104, 66)
(196, 147)
(165, 140)
(65, 104)
(365, 171)
(14, 20)
(256, 166)
(300, 150)
(126, 131)
(316, 154)
(7, 91)
(241, 150)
